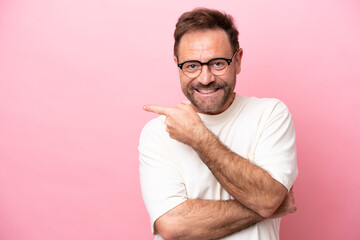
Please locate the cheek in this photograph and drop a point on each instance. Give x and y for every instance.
(225, 79)
(230, 77)
(184, 81)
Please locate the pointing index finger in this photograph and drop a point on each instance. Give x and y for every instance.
(157, 109)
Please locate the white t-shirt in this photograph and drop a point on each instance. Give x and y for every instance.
(171, 172)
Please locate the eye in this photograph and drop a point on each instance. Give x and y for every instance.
(218, 64)
(191, 66)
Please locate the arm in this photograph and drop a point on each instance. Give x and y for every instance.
(173, 215)
(249, 184)
(204, 219)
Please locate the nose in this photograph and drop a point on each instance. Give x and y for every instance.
(205, 77)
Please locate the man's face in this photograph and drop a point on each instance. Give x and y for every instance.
(208, 93)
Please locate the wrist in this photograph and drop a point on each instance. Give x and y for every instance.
(204, 138)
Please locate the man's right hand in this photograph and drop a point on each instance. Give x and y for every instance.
(286, 207)
(182, 123)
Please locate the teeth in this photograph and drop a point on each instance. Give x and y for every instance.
(206, 91)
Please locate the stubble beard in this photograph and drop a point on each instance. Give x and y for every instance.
(211, 105)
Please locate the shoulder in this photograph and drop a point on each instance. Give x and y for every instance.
(263, 103)
(262, 111)
(263, 107)
(154, 125)
(154, 131)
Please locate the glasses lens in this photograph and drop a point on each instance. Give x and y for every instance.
(218, 66)
(191, 69)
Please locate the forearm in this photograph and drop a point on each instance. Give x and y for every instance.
(205, 219)
(251, 185)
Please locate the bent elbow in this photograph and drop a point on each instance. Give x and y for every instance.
(268, 209)
(168, 230)
(270, 205)
(266, 212)
(170, 235)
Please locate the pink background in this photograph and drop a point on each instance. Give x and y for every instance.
(75, 74)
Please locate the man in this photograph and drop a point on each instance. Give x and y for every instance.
(221, 165)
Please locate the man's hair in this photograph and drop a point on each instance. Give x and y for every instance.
(205, 19)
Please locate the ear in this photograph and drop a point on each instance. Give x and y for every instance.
(176, 63)
(238, 58)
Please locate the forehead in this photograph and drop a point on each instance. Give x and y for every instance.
(203, 45)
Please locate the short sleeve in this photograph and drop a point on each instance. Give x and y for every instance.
(276, 149)
(162, 184)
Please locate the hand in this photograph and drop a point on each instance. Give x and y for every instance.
(183, 123)
(286, 207)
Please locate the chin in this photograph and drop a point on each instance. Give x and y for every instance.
(209, 109)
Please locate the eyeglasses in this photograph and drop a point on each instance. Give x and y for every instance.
(217, 66)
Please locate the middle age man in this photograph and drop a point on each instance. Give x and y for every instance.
(223, 165)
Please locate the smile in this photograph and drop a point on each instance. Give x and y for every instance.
(207, 91)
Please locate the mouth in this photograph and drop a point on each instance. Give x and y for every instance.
(207, 91)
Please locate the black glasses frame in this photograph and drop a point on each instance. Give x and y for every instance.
(180, 65)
